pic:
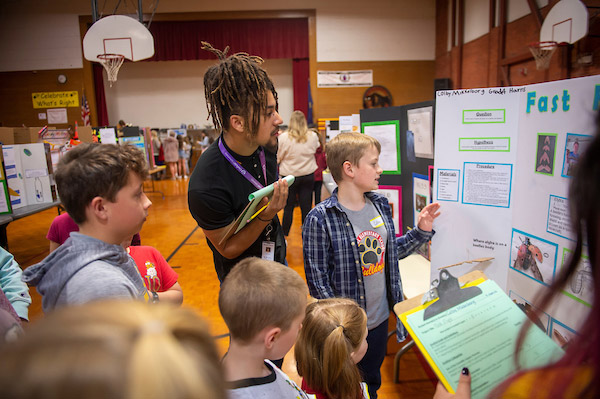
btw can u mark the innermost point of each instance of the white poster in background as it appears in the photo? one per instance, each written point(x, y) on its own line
point(108, 135)
point(356, 122)
point(420, 123)
point(57, 115)
point(386, 135)
point(345, 124)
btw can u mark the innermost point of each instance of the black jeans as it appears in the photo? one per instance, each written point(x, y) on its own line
point(302, 190)
point(370, 365)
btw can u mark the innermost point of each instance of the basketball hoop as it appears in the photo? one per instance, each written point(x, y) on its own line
point(542, 52)
point(112, 63)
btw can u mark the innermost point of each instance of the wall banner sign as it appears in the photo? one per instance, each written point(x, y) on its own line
point(345, 78)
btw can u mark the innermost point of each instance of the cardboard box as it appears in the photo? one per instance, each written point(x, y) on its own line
point(26, 135)
point(85, 134)
point(7, 135)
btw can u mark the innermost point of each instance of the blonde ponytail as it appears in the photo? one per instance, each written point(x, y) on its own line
point(332, 330)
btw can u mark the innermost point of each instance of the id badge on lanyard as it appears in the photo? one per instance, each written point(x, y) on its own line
point(268, 246)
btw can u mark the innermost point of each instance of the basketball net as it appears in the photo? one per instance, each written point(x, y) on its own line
point(112, 63)
point(542, 52)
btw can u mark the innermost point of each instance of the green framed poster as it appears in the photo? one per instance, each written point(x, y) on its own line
point(388, 135)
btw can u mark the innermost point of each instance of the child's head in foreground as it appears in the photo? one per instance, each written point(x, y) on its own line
point(260, 295)
point(331, 342)
point(98, 170)
point(350, 147)
point(113, 350)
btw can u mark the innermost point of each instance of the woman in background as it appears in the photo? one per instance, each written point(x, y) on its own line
point(296, 156)
point(171, 151)
point(321, 160)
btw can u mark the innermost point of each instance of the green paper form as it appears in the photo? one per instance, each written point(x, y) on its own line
point(480, 334)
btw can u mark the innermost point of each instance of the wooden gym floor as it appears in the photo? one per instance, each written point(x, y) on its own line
point(171, 229)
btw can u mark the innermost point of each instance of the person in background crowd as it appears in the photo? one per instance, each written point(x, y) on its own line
point(171, 151)
point(296, 156)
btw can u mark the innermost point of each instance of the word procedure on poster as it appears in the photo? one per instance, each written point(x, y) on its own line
point(479, 330)
point(487, 184)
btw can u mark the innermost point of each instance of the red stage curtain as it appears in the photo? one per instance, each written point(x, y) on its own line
point(301, 75)
point(100, 97)
point(267, 38)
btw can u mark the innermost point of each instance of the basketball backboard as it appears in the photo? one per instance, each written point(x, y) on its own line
point(118, 34)
point(566, 22)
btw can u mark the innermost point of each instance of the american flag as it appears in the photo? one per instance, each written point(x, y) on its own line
point(85, 111)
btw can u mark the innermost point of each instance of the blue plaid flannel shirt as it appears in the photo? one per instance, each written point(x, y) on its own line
point(331, 258)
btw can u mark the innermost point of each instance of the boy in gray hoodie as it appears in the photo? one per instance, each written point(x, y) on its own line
point(101, 187)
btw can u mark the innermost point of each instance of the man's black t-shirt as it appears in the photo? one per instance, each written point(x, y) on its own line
point(218, 193)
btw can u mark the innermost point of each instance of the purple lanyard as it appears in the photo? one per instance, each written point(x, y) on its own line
point(241, 169)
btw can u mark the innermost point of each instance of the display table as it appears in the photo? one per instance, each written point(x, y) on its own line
point(21, 213)
point(152, 172)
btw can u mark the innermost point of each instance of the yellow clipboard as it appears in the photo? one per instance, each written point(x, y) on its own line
point(476, 325)
point(412, 305)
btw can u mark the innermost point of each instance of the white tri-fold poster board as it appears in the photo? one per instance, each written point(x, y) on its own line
point(27, 174)
point(503, 162)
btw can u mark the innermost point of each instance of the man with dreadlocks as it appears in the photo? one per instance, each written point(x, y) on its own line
point(242, 102)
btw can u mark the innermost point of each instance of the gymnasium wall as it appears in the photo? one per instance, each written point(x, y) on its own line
point(395, 39)
point(408, 82)
point(169, 93)
point(16, 88)
point(484, 61)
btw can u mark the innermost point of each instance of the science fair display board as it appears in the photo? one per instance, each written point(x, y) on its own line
point(504, 158)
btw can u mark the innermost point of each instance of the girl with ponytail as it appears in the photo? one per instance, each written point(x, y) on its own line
point(332, 340)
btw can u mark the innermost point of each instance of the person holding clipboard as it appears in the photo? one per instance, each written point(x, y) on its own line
point(242, 102)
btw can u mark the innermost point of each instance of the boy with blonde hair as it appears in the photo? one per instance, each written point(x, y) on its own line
point(114, 350)
point(350, 244)
point(101, 187)
point(263, 304)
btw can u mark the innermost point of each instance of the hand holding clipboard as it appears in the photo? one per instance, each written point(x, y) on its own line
point(253, 209)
